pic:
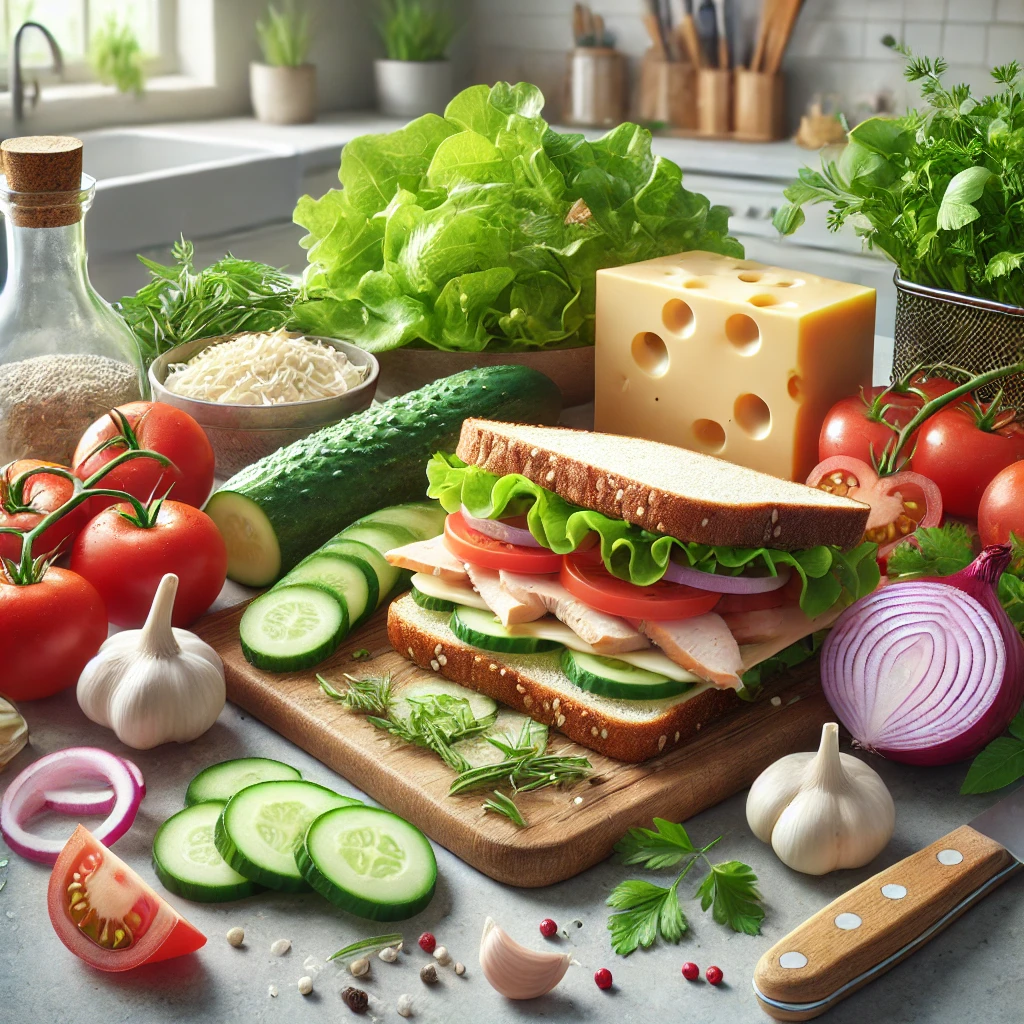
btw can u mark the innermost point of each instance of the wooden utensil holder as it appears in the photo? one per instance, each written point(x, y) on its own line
point(759, 106)
point(668, 92)
point(595, 87)
point(714, 101)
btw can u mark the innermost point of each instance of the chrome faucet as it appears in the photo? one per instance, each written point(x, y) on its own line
point(17, 83)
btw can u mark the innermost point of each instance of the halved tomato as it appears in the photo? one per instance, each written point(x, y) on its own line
point(107, 916)
point(583, 574)
point(474, 547)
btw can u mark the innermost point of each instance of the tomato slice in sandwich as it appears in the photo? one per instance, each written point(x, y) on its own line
point(471, 546)
point(106, 915)
point(583, 574)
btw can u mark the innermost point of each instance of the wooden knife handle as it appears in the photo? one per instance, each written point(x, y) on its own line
point(870, 929)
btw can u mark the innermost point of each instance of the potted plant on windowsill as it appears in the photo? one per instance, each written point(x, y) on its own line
point(939, 192)
point(283, 87)
point(116, 56)
point(416, 76)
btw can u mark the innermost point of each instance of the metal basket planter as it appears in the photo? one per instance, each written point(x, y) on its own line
point(934, 325)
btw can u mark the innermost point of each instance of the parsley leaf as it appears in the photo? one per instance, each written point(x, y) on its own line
point(645, 910)
point(730, 889)
point(937, 551)
point(663, 848)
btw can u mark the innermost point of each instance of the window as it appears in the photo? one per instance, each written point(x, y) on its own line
point(73, 22)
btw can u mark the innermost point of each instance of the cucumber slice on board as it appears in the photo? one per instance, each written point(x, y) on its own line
point(447, 592)
point(423, 519)
point(482, 629)
point(609, 677)
point(291, 628)
point(343, 577)
point(387, 574)
point(261, 827)
point(508, 726)
point(369, 862)
point(186, 860)
point(220, 782)
point(482, 706)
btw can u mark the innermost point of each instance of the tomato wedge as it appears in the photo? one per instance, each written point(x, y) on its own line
point(474, 547)
point(107, 916)
point(585, 577)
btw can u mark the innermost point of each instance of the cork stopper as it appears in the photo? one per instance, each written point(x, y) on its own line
point(40, 164)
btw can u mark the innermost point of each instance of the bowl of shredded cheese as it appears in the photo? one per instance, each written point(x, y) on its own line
point(255, 392)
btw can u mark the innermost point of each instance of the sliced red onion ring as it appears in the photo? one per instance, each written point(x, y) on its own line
point(497, 530)
point(27, 795)
point(90, 801)
point(717, 584)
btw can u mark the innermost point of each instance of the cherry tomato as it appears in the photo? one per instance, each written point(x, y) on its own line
point(160, 428)
point(899, 503)
point(474, 547)
point(125, 562)
point(106, 915)
point(585, 577)
point(1001, 511)
point(48, 631)
point(849, 428)
point(42, 493)
point(963, 459)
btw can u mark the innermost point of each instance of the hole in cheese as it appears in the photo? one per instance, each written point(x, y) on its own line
point(750, 276)
point(753, 416)
point(794, 385)
point(789, 284)
point(650, 354)
point(694, 283)
point(764, 300)
point(709, 435)
point(743, 333)
point(677, 316)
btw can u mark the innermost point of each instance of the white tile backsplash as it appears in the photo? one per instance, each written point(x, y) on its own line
point(1010, 10)
point(963, 43)
point(976, 11)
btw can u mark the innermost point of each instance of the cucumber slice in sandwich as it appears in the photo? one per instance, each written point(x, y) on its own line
point(349, 580)
point(220, 782)
point(186, 860)
point(481, 629)
point(609, 677)
point(261, 827)
point(369, 862)
point(432, 604)
point(291, 628)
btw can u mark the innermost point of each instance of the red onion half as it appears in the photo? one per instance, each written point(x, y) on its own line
point(927, 671)
point(717, 584)
point(496, 529)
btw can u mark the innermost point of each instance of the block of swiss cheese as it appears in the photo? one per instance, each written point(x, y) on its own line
point(729, 357)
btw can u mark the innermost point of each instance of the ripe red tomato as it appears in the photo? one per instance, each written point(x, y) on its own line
point(474, 547)
point(125, 561)
point(106, 915)
point(160, 428)
point(585, 577)
point(851, 429)
point(962, 459)
point(48, 631)
point(1001, 511)
point(41, 494)
point(900, 503)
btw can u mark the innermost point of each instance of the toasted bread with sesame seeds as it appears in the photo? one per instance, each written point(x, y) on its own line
point(694, 497)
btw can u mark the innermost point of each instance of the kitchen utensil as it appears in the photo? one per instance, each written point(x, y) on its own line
point(656, 31)
point(686, 31)
point(870, 929)
point(768, 14)
point(707, 31)
point(778, 38)
point(588, 26)
point(578, 24)
point(564, 837)
point(723, 39)
point(241, 434)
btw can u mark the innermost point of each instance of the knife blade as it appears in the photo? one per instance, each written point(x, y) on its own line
point(871, 928)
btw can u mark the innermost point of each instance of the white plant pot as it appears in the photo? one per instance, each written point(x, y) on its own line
point(283, 95)
point(409, 88)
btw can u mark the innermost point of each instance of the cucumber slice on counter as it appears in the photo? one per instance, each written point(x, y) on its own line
point(480, 704)
point(609, 677)
point(220, 782)
point(369, 862)
point(423, 519)
point(186, 860)
point(432, 604)
point(261, 827)
point(445, 591)
point(343, 577)
point(481, 629)
point(291, 628)
point(387, 574)
point(508, 726)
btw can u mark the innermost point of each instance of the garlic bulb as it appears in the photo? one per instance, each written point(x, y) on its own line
point(155, 684)
point(515, 971)
point(13, 732)
point(821, 811)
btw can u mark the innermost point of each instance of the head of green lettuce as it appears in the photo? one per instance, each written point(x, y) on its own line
point(485, 228)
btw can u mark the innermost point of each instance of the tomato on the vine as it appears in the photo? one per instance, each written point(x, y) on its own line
point(157, 427)
point(126, 559)
point(1001, 511)
point(41, 494)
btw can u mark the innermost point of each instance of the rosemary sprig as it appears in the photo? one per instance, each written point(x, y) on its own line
point(524, 774)
point(371, 945)
point(367, 695)
point(499, 803)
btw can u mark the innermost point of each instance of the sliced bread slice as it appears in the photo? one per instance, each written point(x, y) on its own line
point(627, 730)
point(665, 489)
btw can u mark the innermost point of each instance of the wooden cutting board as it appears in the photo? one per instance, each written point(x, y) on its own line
point(570, 828)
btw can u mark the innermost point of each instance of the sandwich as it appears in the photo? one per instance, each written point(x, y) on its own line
point(623, 591)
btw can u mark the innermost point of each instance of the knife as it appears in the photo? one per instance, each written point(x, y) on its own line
point(870, 929)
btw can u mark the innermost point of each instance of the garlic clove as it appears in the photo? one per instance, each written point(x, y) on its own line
point(13, 732)
point(516, 971)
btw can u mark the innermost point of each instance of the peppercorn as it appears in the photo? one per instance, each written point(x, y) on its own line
point(548, 927)
point(603, 978)
point(714, 975)
point(691, 972)
point(428, 974)
point(355, 999)
point(427, 942)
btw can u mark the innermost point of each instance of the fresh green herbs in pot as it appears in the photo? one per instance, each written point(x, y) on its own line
point(485, 228)
point(182, 304)
point(116, 56)
point(938, 190)
point(284, 36)
point(417, 30)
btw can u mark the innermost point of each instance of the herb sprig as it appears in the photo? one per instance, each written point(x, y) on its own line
point(643, 910)
point(364, 946)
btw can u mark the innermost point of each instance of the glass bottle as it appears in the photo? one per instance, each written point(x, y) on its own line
point(66, 357)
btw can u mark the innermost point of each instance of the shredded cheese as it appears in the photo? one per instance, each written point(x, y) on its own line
point(265, 369)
